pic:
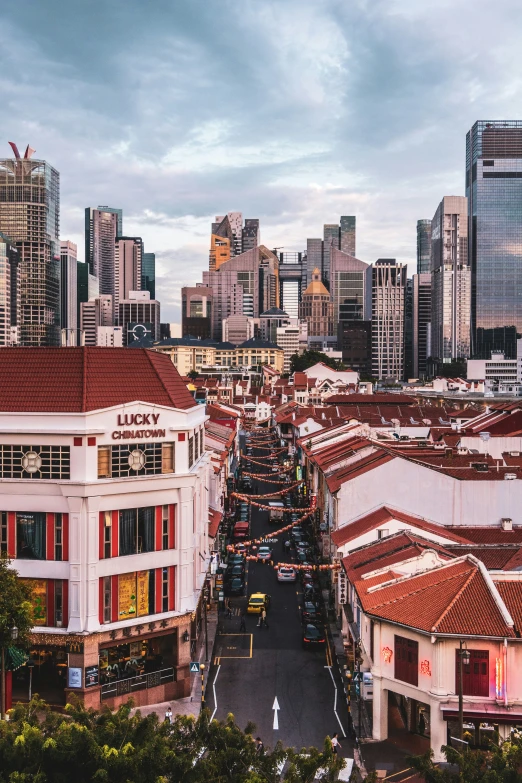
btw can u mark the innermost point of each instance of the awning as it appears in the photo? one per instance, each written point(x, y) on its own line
point(15, 658)
point(484, 712)
point(214, 520)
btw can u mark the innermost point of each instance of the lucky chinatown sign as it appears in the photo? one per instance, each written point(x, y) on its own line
point(137, 420)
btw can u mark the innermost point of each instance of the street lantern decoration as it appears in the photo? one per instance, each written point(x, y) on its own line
point(425, 668)
point(342, 586)
point(387, 654)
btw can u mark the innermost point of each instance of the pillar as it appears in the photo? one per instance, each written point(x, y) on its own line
point(438, 728)
point(380, 709)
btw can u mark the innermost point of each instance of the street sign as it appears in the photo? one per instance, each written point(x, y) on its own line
point(357, 677)
point(194, 667)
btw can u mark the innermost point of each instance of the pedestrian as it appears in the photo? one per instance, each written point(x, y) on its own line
point(229, 608)
point(263, 618)
point(242, 625)
point(422, 724)
point(336, 745)
point(287, 545)
point(260, 748)
point(168, 715)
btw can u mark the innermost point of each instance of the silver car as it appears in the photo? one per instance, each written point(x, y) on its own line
point(285, 574)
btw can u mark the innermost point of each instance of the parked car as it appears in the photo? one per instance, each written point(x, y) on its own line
point(256, 603)
point(285, 574)
point(310, 612)
point(264, 553)
point(240, 548)
point(235, 559)
point(241, 531)
point(235, 586)
point(313, 635)
point(237, 570)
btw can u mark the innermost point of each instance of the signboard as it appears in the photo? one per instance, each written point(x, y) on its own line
point(91, 676)
point(194, 667)
point(73, 646)
point(126, 596)
point(39, 600)
point(143, 593)
point(137, 331)
point(342, 587)
point(74, 677)
point(313, 500)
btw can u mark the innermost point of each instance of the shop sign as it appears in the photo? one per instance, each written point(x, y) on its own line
point(127, 596)
point(74, 646)
point(143, 593)
point(313, 500)
point(91, 676)
point(74, 677)
point(135, 649)
point(341, 583)
point(38, 588)
point(298, 472)
point(137, 420)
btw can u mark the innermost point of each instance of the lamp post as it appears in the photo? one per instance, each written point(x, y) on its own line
point(14, 637)
point(464, 659)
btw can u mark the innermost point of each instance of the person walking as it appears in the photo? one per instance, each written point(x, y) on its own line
point(229, 608)
point(242, 625)
point(168, 715)
point(336, 745)
point(263, 618)
point(260, 748)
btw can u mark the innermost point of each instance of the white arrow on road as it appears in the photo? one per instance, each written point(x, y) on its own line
point(276, 707)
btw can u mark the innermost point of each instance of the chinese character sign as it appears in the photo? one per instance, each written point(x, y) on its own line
point(342, 587)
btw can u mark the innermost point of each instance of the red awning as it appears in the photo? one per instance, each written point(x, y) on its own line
point(214, 520)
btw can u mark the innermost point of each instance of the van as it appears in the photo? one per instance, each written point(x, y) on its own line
point(276, 511)
point(241, 531)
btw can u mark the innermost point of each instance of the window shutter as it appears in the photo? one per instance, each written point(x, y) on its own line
point(104, 461)
point(167, 458)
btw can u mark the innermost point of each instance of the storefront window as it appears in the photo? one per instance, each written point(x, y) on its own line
point(30, 536)
point(136, 530)
point(136, 658)
point(58, 537)
point(3, 531)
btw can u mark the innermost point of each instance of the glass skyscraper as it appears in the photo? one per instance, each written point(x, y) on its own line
point(30, 217)
point(148, 274)
point(494, 191)
point(423, 246)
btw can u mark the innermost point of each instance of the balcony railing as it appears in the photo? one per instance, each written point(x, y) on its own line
point(139, 683)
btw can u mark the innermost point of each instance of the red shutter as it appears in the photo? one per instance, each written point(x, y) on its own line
point(11, 534)
point(50, 602)
point(115, 534)
point(158, 543)
point(114, 598)
point(101, 528)
point(158, 590)
point(100, 600)
point(65, 599)
point(65, 537)
point(172, 526)
point(172, 588)
point(49, 536)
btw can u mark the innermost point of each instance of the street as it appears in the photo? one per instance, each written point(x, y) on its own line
point(250, 671)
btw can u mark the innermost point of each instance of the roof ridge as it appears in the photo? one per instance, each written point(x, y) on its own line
point(419, 590)
point(84, 379)
point(454, 599)
point(148, 354)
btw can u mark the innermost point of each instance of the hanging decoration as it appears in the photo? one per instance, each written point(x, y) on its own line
point(250, 498)
point(425, 668)
point(273, 534)
point(387, 654)
point(265, 477)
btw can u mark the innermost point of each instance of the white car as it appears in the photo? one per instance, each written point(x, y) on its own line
point(285, 574)
point(264, 553)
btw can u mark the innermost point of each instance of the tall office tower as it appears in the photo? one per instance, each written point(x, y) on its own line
point(270, 321)
point(421, 323)
point(314, 259)
point(238, 328)
point(408, 329)
point(347, 237)
point(94, 313)
point(331, 239)
point(219, 252)
point(494, 191)
point(292, 338)
point(227, 298)
point(9, 292)
point(148, 274)
point(88, 286)
point(423, 246)
point(350, 287)
point(127, 268)
point(354, 340)
point(230, 226)
point(30, 217)
point(290, 281)
point(450, 280)
point(388, 294)
point(196, 311)
point(317, 308)
point(101, 231)
point(139, 316)
point(250, 234)
point(68, 285)
point(119, 217)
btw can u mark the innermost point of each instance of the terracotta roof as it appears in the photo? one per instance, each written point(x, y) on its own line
point(67, 380)
point(214, 519)
point(339, 477)
point(503, 557)
point(511, 594)
point(385, 514)
point(389, 551)
point(489, 535)
point(450, 599)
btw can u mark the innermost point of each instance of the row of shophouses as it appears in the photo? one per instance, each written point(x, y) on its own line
point(422, 509)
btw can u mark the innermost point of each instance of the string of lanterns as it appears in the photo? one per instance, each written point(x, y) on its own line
point(249, 498)
point(273, 534)
point(263, 465)
point(289, 509)
point(265, 477)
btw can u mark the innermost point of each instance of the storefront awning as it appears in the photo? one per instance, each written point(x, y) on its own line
point(484, 712)
point(214, 520)
point(15, 658)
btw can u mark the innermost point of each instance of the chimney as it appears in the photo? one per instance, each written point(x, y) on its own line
point(507, 523)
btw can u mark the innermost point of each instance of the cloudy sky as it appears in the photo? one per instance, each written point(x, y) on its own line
point(293, 111)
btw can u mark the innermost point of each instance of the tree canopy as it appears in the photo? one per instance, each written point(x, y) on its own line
point(302, 361)
point(89, 746)
point(15, 606)
point(499, 763)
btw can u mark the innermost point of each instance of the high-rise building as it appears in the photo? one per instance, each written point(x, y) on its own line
point(354, 340)
point(423, 246)
point(238, 328)
point(388, 295)
point(347, 239)
point(338, 235)
point(127, 268)
point(196, 311)
point(230, 238)
point(9, 292)
point(219, 252)
point(30, 217)
point(421, 323)
point(292, 271)
point(494, 191)
point(94, 313)
point(250, 234)
point(408, 329)
point(317, 308)
point(314, 259)
point(88, 286)
point(270, 321)
point(119, 217)
point(101, 231)
point(148, 274)
point(292, 338)
point(450, 281)
point(350, 287)
point(68, 285)
point(139, 316)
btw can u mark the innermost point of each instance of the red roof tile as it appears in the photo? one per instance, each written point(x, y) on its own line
point(489, 534)
point(511, 594)
point(339, 477)
point(67, 380)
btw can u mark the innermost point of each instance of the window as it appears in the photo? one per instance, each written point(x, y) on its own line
point(165, 527)
point(164, 589)
point(135, 459)
point(30, 536)
point(201, 441)
point(3, 532)
point(58, 603)
point(107, 609)
point(191, 451)
point(196, 444)
point(406, 660)
point(58, 537)
point(107, 534)
point(382, 533)
point(136, 530)
point(104, 461)
point(35, 462)
point(167, 458)
point(475, 680)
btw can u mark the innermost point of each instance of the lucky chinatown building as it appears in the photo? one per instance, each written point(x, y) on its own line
point(104, 507)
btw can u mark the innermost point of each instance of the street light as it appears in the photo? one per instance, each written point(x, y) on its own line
point(14, 637)
point(464, 659)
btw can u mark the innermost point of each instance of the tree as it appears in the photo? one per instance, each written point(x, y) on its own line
point(15, 612)
point(301, 362)
point(89, 746)
point(497, 764)
point(193, 374)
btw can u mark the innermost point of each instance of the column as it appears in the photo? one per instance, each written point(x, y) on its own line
point(438, 728)
point(380, 709)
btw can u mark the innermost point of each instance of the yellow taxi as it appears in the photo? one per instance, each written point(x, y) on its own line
point(256, 603)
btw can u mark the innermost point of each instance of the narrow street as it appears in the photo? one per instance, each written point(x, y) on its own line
point(251, 670)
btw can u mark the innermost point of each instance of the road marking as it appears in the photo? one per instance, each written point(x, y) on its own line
point(335, 701)
point(276, 707)
point(214, 689)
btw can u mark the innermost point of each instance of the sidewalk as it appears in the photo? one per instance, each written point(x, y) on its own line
point(190, 705)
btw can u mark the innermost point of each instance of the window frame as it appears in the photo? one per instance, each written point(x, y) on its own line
point(164, 589)
point(138, 512)
point(58, 537)
point(58, 603)
point(473, 683)
point(4, 533)
point(406, 670)
point(107, 535)
point(165, 520)
point(107, 599)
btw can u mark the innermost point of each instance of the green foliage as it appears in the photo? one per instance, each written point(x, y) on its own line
point(89, 746)
point(193, 374)
point(301, 362)
point(15, 606)
point(497, 764)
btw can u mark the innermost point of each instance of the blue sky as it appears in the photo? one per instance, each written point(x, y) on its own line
point(293, 111)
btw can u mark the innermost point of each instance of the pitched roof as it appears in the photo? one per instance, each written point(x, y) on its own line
point(511, 594)
point(75, 380)
point(388, 551)
point(375, 460)
point(490, 534)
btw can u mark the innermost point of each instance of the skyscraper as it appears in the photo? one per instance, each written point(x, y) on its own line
point(230, 238)
point(350, 287)
point(347, 240)
point(148, 274)
point(101, 230)
point(450, 280)
point(423, 245)
point(388, 294)
point(127, 268)
point(68, 285)
point(408, 329)
point(494, 191)
point(30, 217)
point(9, 292)
point(88, 286)
point(119, 217)
point(338, 235)
point(317, 309)
point(421, 323)
point(196, 311)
